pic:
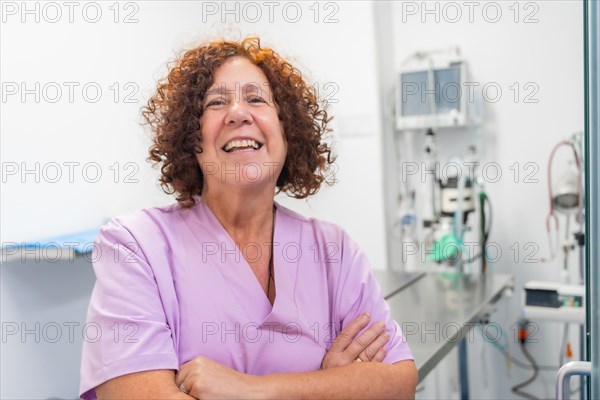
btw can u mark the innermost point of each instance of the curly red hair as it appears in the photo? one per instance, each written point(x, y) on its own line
point(174, 114)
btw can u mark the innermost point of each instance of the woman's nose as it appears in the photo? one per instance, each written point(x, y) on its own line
point(238, 114)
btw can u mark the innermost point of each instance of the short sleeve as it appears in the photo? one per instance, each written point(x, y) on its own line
point(360, 292)
point(126, 329)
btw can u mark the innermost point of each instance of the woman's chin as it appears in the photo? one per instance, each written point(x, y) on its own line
point(249, 184)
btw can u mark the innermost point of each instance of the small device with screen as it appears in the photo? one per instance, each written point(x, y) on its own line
point(432, 91)
point(554, 301)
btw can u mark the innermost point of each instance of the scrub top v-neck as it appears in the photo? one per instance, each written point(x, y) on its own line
point(172, 285)
point(235, 274)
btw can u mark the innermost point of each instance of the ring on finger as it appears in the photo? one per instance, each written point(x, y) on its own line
point(183, 389)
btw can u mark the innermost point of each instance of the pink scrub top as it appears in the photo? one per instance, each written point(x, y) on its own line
point(171, 285)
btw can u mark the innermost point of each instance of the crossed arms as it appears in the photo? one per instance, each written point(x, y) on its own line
point(340, 376)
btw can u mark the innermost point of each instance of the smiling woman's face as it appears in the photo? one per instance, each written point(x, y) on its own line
point(242, 137)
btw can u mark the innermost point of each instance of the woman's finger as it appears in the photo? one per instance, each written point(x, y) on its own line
point(359, 344)
point(370, 353)
point(182, 374)
point(345, 337)
point(379, 357)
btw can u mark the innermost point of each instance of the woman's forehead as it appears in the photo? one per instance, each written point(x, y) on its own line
point(239, 75)
point(239, 68)
point(238, 86)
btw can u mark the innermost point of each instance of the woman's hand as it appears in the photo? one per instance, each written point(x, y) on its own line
point(368, 346)
point(204, 378)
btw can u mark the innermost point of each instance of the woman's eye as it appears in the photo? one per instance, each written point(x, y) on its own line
point(215, 102)
point(256, 100)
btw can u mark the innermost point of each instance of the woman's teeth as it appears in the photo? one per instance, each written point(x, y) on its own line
point(237, 145)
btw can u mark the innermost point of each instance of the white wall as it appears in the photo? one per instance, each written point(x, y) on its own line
point(548, 53)
point(107, 131)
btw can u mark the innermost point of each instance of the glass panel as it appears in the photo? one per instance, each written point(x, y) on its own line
point(593, 188)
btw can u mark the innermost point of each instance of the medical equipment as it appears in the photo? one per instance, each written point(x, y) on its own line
point(455, 198)
point(566, 195)
point(566, 192)
point(562, 302)
point(554, 301)
point(447, 247)
point(432, 91)
point(429, 210)
point(446, 199)
point(455, 202)
point(408, 231)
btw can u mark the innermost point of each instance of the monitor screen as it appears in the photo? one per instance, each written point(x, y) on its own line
point(417, 95)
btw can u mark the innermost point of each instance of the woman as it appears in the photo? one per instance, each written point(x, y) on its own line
point(227, 293)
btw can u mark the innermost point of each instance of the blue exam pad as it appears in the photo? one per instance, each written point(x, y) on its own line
point(81, 242)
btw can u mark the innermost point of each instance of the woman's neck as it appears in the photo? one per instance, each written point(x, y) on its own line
point(244, 215)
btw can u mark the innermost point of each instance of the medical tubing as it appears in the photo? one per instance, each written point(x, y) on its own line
point(482, 230)
point(484, 198)
point(523, 365)
point(493, 342)
point(518, 363)
point(517, 388)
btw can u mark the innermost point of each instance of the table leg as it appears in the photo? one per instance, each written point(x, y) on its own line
point(463, 369)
